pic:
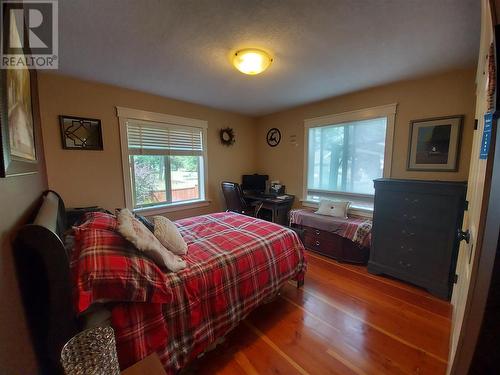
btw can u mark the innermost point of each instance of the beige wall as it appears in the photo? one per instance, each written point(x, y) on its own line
point(445, 94)
point(95, 177)
point(18, 198)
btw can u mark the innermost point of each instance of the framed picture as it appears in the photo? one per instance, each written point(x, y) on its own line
point(18, 114)
point(80, 133)
point(435, 144)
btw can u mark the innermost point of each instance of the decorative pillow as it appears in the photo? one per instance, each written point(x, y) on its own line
point(333, 208)
point(134, 231)
point(169, 236)
point(143, 219)
point(106, 267)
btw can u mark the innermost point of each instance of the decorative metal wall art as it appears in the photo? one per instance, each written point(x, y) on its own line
point(80, 133)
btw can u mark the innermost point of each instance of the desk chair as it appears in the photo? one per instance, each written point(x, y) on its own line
point(235, 202)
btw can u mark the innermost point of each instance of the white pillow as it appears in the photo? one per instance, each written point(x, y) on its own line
point(169, 236)
point(333, 208)
point(142, 238)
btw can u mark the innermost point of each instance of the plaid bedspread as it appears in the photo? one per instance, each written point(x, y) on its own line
point(356, 229)
point(234, 262)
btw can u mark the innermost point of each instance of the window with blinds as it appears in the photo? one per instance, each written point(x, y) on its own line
point(164, 139)
point(345, 152)
point(166, 163)
point(346, 157)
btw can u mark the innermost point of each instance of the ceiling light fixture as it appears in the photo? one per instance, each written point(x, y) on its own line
point(251, 61)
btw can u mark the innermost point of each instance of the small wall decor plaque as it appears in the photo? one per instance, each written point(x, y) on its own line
point(273, 137)
point(80, 133)
point(227, 136)
point(435, 144)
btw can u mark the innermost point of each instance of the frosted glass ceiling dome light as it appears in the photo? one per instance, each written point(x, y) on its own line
point(251, 61)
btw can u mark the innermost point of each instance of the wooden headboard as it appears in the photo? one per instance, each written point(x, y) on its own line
point(43, 272)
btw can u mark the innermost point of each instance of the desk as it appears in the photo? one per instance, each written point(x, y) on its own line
point(278, 208)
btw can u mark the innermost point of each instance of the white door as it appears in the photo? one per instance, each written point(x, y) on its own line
point(467, 258)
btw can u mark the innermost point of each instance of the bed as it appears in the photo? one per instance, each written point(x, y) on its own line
point(235, 263)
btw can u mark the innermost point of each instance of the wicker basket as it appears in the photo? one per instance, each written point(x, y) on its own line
point(91, 352)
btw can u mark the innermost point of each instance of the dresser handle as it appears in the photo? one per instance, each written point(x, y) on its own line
point(407, 265)
point(409, 234)
point(413, 217)
point(317, 243)
point(412, 201)
point(318, 232)
point(402, 247)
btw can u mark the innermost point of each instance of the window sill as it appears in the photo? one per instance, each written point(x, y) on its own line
point(354, 210)
point(160, 209)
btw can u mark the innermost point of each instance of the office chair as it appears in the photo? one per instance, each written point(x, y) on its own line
point(235, 202)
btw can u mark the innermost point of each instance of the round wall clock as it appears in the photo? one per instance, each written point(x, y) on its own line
point(226, 136)
point(273, 137)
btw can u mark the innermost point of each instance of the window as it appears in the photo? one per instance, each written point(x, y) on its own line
point(164, 159)
point(346, 152)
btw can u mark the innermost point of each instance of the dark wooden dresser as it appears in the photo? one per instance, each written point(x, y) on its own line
point(415, 232)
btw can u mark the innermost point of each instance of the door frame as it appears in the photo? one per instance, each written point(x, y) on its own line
point(487, 247)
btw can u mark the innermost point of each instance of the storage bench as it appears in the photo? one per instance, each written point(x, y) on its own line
point(345, 240)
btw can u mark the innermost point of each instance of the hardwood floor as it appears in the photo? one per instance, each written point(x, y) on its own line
point(343, 321)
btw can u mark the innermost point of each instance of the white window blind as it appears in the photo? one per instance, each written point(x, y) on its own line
point(345, 152)
point(346, 157)
point(164, 139)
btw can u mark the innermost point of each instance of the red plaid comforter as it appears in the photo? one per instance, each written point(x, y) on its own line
point(234, 262)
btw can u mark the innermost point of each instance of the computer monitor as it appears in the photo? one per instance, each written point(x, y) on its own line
point(254, 182)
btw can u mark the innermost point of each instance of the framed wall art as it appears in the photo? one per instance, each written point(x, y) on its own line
point(18, 114)
point(435, 144)
point(80, 133)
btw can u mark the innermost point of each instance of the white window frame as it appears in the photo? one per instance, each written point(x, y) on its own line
point(388, 111)
point(124, 115)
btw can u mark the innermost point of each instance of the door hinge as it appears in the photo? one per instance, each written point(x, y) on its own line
point(466, 205)
point(455, 279)
point(475, 124)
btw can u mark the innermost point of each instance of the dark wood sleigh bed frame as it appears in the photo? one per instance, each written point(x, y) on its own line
point(43, 270)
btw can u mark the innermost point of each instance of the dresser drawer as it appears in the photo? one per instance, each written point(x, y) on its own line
point(411, 209)
point(323, 242)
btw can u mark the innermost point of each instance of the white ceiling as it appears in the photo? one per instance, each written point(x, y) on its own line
point(181, 48)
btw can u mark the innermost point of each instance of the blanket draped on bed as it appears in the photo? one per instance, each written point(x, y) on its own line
point(235, 263)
